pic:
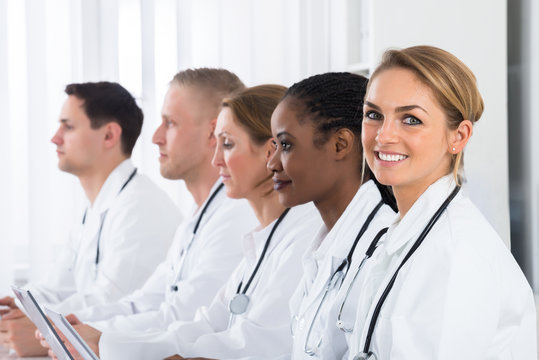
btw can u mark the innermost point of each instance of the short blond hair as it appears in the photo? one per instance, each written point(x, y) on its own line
point(451, 81)
point(214, 84)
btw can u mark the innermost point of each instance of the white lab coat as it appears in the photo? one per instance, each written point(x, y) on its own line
point(263, 332)
point(215, 252)
point(328, 251)
point(137, 232)
point(460, 296)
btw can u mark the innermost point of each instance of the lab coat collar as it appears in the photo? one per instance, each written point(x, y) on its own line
point(254, 241)
point(197, 210)
point(407, 229)
point(315, 254)
point(111, 187)
point(341, 237)
point(338, 241)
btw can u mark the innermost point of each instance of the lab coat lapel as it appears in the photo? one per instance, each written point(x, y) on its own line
point(111, 187)
point(415, 220)
point(401, 236)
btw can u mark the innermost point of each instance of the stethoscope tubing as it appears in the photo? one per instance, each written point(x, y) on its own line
point(370, 251)
point(262, 255)
point(103, 217)
point(415, 246)
point(340, 269)
point(174, 287)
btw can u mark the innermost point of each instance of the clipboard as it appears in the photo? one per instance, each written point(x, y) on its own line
point(71, 334)
point(34, 312)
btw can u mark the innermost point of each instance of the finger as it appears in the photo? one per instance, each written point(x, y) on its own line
point(7, 301)
point(73, 319)
point(13, 314)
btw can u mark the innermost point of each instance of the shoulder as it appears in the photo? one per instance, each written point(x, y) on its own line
point(303, 218)
point(143, 192)
point(470, 242)
point(468, 228)
point(299, 227)
point(232, 214)
point(146, 204)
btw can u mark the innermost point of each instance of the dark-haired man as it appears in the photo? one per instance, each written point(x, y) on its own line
point(197, 266)
point(127, 225)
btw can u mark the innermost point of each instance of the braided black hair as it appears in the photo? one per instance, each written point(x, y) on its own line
point(334, 101)
point(331, 101)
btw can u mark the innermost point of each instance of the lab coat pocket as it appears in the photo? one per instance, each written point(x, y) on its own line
point(398, 337)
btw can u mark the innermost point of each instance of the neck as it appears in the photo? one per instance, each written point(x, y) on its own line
point(332, 206)
point(200, 188)
point(407, 195)
point(93, 180)
point(266, 207)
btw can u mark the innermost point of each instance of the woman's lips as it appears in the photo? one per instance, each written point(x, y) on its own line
point(280, 184)
point(388, 158)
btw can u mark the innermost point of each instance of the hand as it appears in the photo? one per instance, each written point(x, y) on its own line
point(13, 314)
point(8, 301)
point(18, 334)
point(73, 319)
point(90, 335)
point(43, 342)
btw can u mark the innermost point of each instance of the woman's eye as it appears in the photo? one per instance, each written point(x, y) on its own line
point(412, 120)
point(285, 146)
point(373, 115)
point(228, 144)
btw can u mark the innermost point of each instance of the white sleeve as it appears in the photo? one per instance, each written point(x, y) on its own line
point(216, 252)
point(263, 332)
point(134, 241)
point(146, 299)
point(158, 343)
point(59, 283)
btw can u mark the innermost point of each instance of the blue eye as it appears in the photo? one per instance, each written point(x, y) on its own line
point(412, 120)
point(373, 115)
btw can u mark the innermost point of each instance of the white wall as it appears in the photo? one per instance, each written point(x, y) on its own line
point(474, 31)
point(54, 42)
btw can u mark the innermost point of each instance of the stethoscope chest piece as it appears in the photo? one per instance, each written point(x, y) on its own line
point(365, 356)
point(238, 304)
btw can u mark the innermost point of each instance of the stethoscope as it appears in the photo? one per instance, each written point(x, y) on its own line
point(366, 354)
point(336, 278)
point(102, 222)
point(239, 303)
point(174, 287)
point(370, 251)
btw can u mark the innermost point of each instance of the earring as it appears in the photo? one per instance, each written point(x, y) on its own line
point(454, 149)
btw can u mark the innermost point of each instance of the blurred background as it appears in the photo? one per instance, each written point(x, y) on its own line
point(46, 44)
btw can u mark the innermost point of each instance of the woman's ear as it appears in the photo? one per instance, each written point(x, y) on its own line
point(459, 137)
point(343, 142)
point(269, 148)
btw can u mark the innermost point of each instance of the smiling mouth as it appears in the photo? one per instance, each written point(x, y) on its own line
point(390, 157)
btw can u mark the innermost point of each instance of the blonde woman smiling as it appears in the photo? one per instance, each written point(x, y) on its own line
point(443, 285)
